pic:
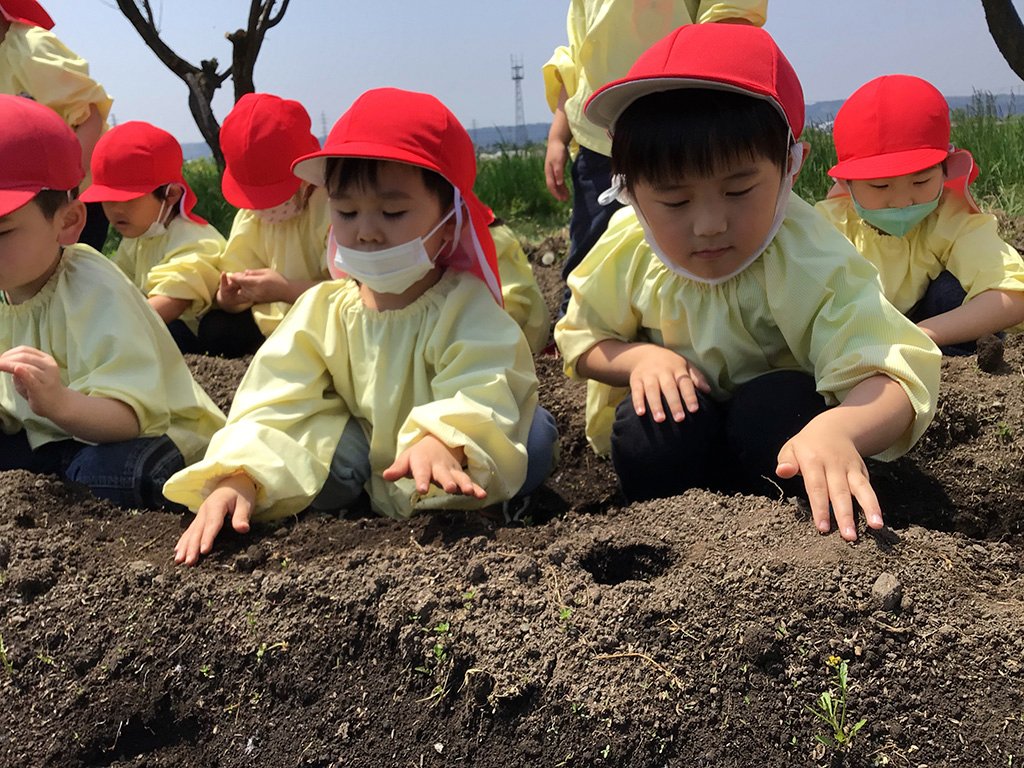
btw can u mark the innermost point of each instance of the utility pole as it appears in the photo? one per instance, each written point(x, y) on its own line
point(517, 77)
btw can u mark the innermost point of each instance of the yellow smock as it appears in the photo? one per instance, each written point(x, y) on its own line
point(519, 289)
point(452, 364)
point(952, 237)
point(605, 39)
point(35, 63)
point(109, 343)
point(808, 303)
point(182, 263)
point(295, 248)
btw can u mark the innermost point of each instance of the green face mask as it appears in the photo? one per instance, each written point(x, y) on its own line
point(896, 221)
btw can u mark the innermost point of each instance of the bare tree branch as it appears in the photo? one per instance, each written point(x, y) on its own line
point(204, 80)
point(1007, 30)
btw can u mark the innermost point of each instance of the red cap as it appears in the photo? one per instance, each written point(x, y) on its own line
point(730, 57)
point(891, 126)
point(134, 159)
point(26, 12)
point(37, 151)
point(415, 128)
point(260, 138)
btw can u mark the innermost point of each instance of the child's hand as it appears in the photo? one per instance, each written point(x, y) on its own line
point(431, 461)
point(834, 473)
point(258, 286)
point(229, 293)
point(36, 378)
point(660, 372)
point(232, 497)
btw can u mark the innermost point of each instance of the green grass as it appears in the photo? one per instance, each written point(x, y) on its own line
point(512, 183)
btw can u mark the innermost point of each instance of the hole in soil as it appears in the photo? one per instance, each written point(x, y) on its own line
point(613, 564)
point(138, 737)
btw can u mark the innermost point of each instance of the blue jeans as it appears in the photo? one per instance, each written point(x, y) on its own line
point(591, 175)
point(130, 473)
point(350, 465)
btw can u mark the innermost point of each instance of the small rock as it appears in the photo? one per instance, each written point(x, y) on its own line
point(548, 258)
point(525, 568)
point(990, 353)
point(142, 571)
point(556, 555)
point(887, 591)
point(475, 572)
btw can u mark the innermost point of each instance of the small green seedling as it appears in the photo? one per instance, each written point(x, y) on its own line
point(5, 662)
point(830, 708)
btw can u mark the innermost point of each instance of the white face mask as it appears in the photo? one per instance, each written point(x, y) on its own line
point(158, 227)
point(392, 270)
point(279, 214)
point(619, 192)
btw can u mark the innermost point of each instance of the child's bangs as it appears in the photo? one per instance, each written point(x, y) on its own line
point(665, 136)
point(342, 173)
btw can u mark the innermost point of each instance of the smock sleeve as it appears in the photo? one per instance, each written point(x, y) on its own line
point(753, 11)
point(828, 304)
point(484, 394)
point(190, 268)
point(973, 251)
point(55, 76)
point(285, 420)
point(519, 289)
point(243, 249)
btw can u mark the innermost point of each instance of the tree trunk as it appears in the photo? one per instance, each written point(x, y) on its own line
point(1005, 26)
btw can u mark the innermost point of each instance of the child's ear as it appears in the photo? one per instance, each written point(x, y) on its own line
point(174, 194)
point(71, 219)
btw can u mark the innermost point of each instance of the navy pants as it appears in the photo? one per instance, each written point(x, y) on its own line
point(229, 334)
point(130, 473)
point(943, 295)
point(591, 175)
point(730, 446)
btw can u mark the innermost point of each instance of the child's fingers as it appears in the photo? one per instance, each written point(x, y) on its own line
point(685, 387)
point(842, 502)
point(700, 381)
point(860, 485)
point(466, 485)
point(398, 469)
point(816, 485)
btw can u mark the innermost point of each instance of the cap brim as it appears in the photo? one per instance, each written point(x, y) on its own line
point(887, 165)
point(311, 167)
point(98, 193)
point(12, 199)
point(605, 106)
point(257, 197)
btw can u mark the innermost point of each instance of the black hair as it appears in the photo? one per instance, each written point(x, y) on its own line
point(50, 201)
point(342, 172)
point(695, 131)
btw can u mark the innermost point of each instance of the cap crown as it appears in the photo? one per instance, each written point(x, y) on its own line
point(37, 151)
point(732, 57)
point(891, 126)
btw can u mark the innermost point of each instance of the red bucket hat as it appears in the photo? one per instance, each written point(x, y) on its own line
point(730, 57)
point(133, 159)
point(890, 126)
point(37, 151)
point(26, 12)
point(417, 129)
point(260, 138)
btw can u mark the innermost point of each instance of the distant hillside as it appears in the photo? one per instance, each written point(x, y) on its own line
point(819, 113)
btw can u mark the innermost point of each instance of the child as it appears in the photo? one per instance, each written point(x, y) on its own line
point(901, 196)
point(168, 251)
point(412, 363)
point(605, 38)
point(91, 385)
point(519, 290)
point(720, 318)
point(35, 63)
point(276, 247)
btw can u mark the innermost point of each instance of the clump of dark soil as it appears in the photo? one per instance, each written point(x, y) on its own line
point(691, 631)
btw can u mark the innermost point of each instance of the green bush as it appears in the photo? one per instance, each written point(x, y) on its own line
point(204, 178)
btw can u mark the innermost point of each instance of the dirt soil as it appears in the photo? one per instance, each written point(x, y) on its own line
point(692, 631)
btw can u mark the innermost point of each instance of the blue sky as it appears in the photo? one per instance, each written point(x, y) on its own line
point(325, 53)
